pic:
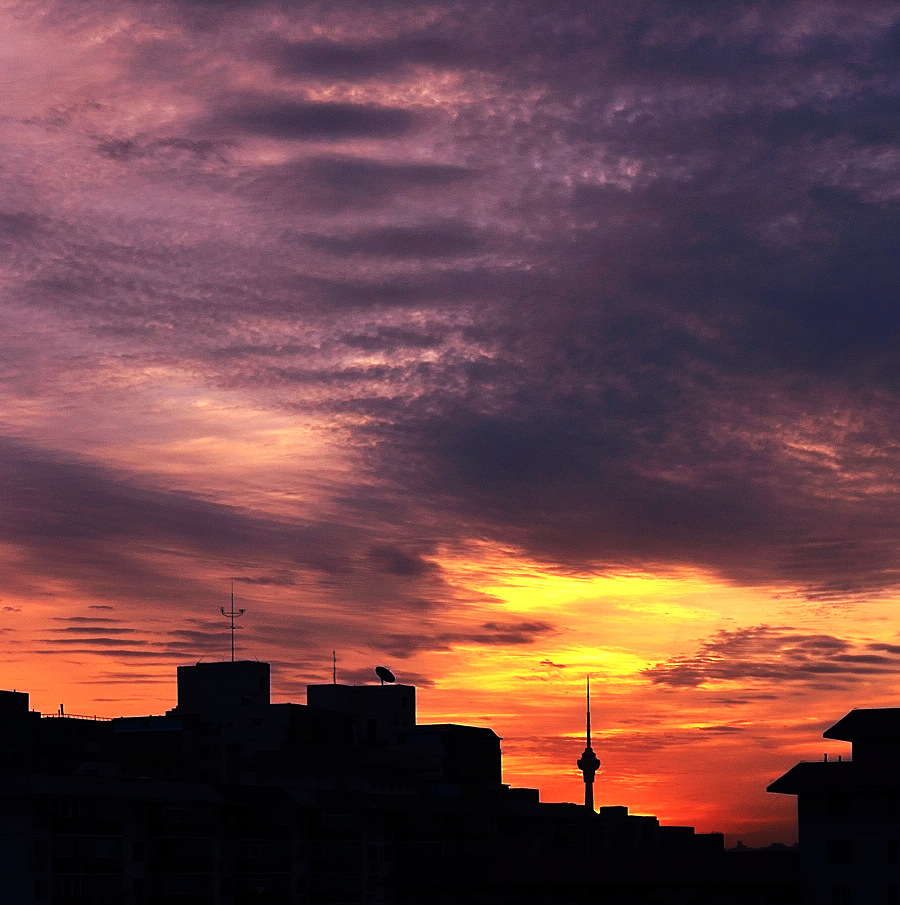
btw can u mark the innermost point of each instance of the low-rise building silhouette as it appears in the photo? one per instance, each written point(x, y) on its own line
point(229, 798)
point(848, 813)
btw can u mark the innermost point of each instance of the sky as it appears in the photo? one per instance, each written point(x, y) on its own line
point(498, 343)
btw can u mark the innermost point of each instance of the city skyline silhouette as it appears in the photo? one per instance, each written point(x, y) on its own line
point(497, 344)
point(229, 798)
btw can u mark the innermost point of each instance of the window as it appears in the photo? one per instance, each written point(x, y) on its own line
point(840, 851)
point(841, 895)
point(838, 807)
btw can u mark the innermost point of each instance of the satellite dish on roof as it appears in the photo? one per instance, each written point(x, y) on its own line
point(384, 674)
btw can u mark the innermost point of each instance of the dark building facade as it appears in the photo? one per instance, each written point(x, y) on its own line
point(228, 798)
point(848, 814)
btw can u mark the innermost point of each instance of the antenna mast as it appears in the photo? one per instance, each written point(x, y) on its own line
point(588, 727)
point(588, 763)
point(234, 614)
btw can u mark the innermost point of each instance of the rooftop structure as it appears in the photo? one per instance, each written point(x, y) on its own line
point(210, 687)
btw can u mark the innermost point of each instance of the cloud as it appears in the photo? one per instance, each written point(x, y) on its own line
point(428, 241)
point(765, 653)
point(16, 225)
point(91, 642)
point(394, 561)
point(85, 630)
point(513, 632)
point(283, 579)
point(333, 183)
point(164, 150)
point(357, 61)
point(582, 314)
point(286, 119)
point(391, 339)
point(80, 520)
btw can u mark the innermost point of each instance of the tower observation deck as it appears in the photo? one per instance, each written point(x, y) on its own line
point(588, 763)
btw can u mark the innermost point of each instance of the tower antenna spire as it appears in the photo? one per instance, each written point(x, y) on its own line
point(588, 763)
point(587, 702)
point(234, 614)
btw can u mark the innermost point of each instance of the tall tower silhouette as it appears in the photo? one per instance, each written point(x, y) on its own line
point(588, 763)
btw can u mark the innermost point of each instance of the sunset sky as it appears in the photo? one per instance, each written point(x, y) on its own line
point(499, 343)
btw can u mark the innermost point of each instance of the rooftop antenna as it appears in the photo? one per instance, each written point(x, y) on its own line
point(334, 667)
point(232, 616)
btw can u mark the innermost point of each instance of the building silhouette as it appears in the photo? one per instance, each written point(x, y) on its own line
point(228, 798)
point(848, 813)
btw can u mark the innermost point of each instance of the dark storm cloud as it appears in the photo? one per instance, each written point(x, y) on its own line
point(775, 654)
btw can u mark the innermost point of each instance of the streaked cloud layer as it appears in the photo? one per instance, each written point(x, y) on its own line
point(506, 341)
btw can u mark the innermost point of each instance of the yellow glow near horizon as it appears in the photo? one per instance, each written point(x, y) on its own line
point(669, 750)
point(521, 584)
point(613, 623)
